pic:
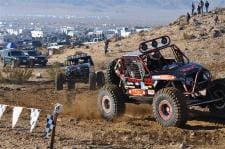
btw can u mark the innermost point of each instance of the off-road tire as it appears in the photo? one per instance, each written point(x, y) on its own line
point(111, 77)
point(217, 91)
point(100, 79)
point(110, 102)
point(169, 107)
point(43, 64)
point(92, 81)
point(59, 80)
point(31, 64)
point(71, 85)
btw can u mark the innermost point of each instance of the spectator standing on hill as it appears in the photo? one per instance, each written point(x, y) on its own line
point(199, 9)
point(202, 6)
point(106, 46)
point(216, 20)
point(188, 17)
point(193, 8)
point(207, 6)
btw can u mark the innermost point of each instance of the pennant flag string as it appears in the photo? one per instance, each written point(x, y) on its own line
point(16, 114)
point(2, 110)
point(34, 118)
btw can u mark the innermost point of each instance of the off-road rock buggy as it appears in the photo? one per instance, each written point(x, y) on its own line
point(159, 73)
point(79, 68)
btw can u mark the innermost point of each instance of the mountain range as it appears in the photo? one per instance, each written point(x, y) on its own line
point(128, 10)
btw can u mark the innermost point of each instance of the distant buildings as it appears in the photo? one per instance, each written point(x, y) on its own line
point(37, 34)
point(26, 32)
point(14, 31)
point(125, 32)
point(68, 31)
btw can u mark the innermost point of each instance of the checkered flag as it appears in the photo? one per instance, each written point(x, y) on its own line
point(51, 121)
point(49, 126)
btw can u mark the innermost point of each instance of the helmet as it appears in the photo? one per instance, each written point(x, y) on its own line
point(155, 55)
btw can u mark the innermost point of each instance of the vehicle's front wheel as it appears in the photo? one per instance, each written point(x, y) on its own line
point(111, 77)
point(71, 85)
point(110, 102)
point(14, 64)
point(216, 92)
point(43, 64)
point(92, 81)
point(100, 79)
point(31, 64)
point(169, 107)
point(59, 80)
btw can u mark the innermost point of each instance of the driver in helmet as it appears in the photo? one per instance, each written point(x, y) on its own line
point(154, 60)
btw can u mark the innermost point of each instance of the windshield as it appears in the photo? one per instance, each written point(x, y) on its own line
point(81, 60)
point(173, 53)
point(17, 53)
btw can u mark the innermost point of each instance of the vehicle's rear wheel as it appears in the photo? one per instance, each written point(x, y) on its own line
point(111, 77)
point(92, 81)
point(59, 80)
point(31, 64)
point(43, 64)
point(217, 91)
point(71, 85)
point(110, 102)
point(14, 64)
point(100, 79)
point(169, 107)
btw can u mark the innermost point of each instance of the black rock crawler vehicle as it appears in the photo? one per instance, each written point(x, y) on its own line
point(159, 73)
point(79, 68)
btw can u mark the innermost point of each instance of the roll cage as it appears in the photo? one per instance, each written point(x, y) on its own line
point(79, 59)
point(145, 49)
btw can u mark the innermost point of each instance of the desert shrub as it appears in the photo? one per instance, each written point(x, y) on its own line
point(141, 34)
point(87, 47)
point(181, 27)
point(216, 53)
point(117, 45)
point(79, 52)
point(16, 75)
point(221, 43)
point(58, 51)
point(1, 77)
point(54, 69)
point(187, 36)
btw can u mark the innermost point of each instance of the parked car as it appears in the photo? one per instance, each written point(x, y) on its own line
point(15, 58)
point(36, 58)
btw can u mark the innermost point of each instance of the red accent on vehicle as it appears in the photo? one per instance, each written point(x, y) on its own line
point(148, 81)
point(133, 80)
point(188, 68)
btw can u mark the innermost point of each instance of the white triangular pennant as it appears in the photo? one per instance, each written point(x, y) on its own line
point(2, 110)
point(16, 114)
point(34, 118)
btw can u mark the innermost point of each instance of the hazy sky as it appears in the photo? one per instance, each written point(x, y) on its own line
point(148, 11)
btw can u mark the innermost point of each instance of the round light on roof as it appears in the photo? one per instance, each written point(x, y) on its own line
point(154, 44)
point(164, 40)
